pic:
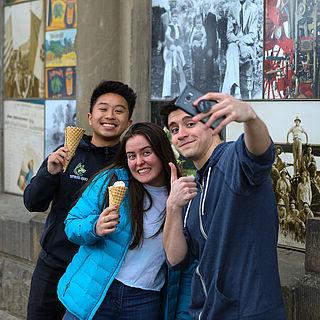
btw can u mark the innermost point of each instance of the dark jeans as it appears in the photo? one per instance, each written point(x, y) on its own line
point(43, 300)
point(126, 303)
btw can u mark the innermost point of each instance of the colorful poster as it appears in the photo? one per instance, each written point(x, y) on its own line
point(294, 128)
point(61, 82)
point(291, 50)
point(61, 14)
point(23, 143)
point(24, 50)
point(59, 114)
point(216, 45)
point(60, 48)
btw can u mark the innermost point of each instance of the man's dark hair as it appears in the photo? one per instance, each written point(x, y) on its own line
point(106, 86)
point(166, 109)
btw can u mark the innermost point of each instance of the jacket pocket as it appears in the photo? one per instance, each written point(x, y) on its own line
point(223, 306)
point(45, 235)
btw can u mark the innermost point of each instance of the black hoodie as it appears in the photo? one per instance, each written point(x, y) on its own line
point(61, 191)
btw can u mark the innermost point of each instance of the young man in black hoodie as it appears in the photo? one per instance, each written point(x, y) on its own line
point(226, 218)
point(111, 107)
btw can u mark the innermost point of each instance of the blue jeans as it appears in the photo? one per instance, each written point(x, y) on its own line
point(126, 303)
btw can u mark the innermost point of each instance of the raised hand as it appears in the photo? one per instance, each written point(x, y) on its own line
point(56, 160)
point(182, 190)
point(107, 222)
point(228, 106)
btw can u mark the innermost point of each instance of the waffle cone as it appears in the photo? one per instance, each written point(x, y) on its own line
point(72, 138)
point(116, 195)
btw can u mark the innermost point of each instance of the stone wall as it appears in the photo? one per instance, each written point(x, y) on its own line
point(19, 246)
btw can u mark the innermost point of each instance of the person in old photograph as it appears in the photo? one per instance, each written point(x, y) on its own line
point(282, 214)
point(304, 192)
point(111, 107)
point(295, 225)
point(305, 213)
point(198, 42)
point(212, 46)
point(242, 32)
point(310, 163)
point(297, 131)
point(277, 166)
point(283, 188)
point(173, 34)
point(226, 218)
point(167, 37)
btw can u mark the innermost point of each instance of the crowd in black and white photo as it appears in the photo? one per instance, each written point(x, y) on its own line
point(214, 45)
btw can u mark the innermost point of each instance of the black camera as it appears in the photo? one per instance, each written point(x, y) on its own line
point(186, 99)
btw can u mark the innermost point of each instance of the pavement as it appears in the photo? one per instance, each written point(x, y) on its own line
point(6, 316)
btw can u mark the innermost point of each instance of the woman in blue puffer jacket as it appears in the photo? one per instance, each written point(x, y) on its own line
point(120, 271)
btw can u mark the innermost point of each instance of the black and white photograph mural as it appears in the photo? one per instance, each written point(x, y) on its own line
point(213, 45)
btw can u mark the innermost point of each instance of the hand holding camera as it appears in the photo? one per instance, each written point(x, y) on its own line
point(186, 99)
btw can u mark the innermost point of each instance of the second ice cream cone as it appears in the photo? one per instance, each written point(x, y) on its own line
point(72, 139)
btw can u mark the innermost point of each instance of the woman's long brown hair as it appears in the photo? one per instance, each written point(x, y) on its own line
point(161, 146)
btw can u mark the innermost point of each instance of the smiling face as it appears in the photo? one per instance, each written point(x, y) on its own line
point(109, 119)
point(192, 139)
point(144, 165)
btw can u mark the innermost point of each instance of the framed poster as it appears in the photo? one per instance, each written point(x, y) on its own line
point(58, 115)
point(23, 62)
point(214, 45)
point(291, 49)
point(295, 130)
point(60, 48)
point(23, 143)
point(60, 82)
point(61, 14)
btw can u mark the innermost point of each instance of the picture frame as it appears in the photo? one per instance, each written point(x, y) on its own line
point(23, 59)
point(23, 142)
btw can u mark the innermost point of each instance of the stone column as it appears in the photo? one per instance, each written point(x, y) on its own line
point(113, 39)
point(1, 96)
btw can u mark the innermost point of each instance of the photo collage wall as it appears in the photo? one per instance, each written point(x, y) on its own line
point(39, 84)
point(266, 52)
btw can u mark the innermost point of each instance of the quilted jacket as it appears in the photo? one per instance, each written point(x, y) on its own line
point(84, 285)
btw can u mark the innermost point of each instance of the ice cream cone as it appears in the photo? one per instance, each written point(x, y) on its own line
point(72, 138)
point(116, 195)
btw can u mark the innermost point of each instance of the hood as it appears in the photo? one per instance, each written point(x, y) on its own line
point(215, 156)
point(86, 144)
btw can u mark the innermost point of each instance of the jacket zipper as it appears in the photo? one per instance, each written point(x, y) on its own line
point(187, 213)
point(203, 287)
point(202, 282)
point(68, 284)
point(200, 213)
point(202, 200)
